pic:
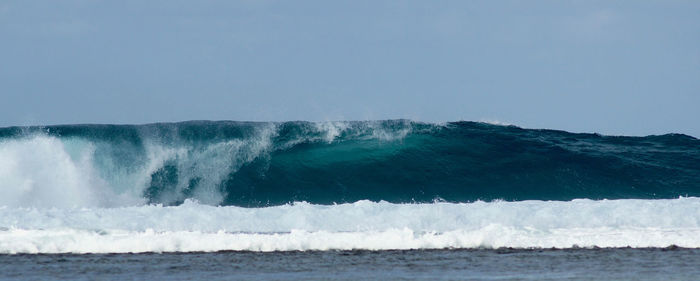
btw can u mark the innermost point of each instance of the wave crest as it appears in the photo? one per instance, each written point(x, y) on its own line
point(262, 164)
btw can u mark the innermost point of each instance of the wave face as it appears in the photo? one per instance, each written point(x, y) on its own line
point(267, 164)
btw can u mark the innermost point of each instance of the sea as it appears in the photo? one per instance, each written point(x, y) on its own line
point(346, 200)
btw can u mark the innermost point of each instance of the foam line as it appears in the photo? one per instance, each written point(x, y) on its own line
point(360, 225)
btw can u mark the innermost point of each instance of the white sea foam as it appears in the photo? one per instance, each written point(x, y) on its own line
point(360, 225)
point(209, 164)
point(331, 130)
point(495, 122)
point(45, 171)
point(48, 171)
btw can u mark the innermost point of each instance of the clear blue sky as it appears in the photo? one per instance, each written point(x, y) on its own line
point(613, 67)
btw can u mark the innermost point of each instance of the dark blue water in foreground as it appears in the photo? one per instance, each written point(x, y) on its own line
point(479, 264)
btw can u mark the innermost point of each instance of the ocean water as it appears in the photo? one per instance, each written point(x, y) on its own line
point(457, 264)
point(342, 200)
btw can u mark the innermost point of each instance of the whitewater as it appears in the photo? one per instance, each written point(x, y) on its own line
point(360, 225)
point(375, 185)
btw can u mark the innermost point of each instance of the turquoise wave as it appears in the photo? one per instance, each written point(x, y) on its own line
point(399, 161)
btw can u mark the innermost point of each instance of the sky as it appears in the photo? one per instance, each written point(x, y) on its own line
point(610, 67)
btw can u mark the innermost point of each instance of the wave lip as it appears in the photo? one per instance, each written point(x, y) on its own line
point(360, 225)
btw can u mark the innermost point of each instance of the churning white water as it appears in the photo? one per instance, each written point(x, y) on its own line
point(359, 225)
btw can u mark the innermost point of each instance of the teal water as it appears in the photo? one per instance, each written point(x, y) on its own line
point(260, 164)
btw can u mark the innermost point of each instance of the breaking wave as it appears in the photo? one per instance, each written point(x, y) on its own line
point(399, 161)
point(395, 184)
